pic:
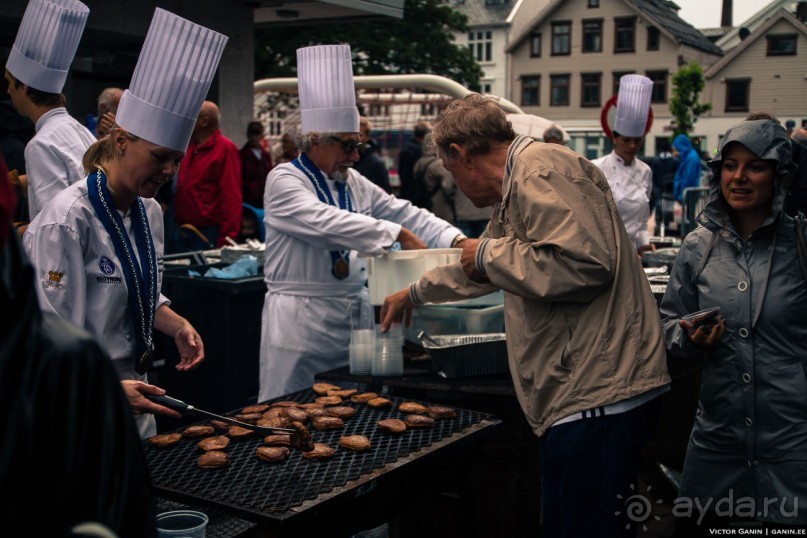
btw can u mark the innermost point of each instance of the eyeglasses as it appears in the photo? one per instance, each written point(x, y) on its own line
point(348, 146)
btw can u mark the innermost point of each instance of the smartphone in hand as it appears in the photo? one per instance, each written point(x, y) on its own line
point(707, 318)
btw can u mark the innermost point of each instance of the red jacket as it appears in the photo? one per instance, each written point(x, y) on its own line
point(209, 187)
point(253, 175)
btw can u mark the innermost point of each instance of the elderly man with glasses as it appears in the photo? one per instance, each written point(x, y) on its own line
point(320, 214)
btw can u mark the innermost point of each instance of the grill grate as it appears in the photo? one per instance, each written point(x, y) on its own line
point(267, 490)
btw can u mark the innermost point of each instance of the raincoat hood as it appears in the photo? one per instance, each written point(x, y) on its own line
point(682, 144)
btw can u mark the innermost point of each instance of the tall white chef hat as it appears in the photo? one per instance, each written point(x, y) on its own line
point(325, 87)
point(46, 43)
point(633, 105)
point(169, 84)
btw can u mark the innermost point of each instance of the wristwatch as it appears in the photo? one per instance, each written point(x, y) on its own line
point(459, 238)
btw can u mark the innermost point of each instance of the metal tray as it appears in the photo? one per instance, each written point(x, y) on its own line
point(468, 355)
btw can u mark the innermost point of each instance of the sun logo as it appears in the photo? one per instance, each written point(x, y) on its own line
point(638, 507)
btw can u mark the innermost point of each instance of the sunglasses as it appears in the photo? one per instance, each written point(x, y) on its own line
point(348, 146)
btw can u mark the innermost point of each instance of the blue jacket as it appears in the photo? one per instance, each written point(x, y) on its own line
point(689, 168)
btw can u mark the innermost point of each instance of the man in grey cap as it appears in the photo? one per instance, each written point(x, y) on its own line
point(36, 74)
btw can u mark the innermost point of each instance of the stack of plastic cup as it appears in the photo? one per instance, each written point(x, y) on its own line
point(362, 351)
point(388, 358)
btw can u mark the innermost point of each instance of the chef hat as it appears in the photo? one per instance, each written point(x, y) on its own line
point(325, 87)
point(169, 84)
point(46, 43)
point(633, 105)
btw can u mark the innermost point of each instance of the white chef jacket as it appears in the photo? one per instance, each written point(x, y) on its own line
point(71, 251)
point(53, 157)
point(631, 187)
point(305, 326)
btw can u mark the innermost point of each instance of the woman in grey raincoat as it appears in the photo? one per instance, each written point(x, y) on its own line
point(747, 454)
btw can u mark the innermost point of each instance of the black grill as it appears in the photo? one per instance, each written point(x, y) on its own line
point(267, 491)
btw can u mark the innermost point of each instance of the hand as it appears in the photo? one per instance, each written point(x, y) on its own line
point(702, 335)
point(409, 241)
point(396, 308)
point(105, 123)
point(135, 390)
point(646, 248)
point(190, 346)
point(468, 260)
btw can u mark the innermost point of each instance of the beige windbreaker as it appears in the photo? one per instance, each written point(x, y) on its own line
point(583, 328)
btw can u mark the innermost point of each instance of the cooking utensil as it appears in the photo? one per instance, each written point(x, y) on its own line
point(424, 337)
point(181, 406)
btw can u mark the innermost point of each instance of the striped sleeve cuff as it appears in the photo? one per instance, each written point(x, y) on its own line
point(414, 294)
point(480, 255)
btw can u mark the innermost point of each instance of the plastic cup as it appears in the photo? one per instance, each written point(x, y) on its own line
point(181, 523)
point(362, 351)
point(388, 359)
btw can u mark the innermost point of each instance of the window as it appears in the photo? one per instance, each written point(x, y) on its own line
point(559, 90)
point(487, 87)
point(737, 94)
point(653, 38)
point(592, 36)
point(530, 90)
point(535, 45)
point(659, 79)
point(593, 3)
point(625, 34)
point(481, 45)
point(561, 38)
point(590, 91)
point(618, 75)
point(782, 45)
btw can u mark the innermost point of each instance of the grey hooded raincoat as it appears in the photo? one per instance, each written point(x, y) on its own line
point(748, 447)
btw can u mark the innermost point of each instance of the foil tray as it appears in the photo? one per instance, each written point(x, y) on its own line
point(468, 355)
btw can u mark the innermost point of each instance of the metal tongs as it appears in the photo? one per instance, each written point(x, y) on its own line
point(423, 336)
point(181, 406)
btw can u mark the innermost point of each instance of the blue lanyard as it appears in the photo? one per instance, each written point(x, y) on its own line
point(141, 281)
point(340, 259)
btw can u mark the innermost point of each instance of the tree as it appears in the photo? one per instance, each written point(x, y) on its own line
point(687, 85)
point(421, 42)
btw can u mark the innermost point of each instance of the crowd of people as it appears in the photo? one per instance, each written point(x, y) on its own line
point(561, 236)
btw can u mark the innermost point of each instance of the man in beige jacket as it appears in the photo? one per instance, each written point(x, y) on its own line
point(583, 331)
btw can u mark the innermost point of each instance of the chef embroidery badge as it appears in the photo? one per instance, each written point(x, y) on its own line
point(107, 268)
point(54, 279)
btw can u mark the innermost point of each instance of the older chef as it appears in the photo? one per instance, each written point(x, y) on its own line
point(630, 179)
point(36, 72)
point(98, 246)
point(319, 215)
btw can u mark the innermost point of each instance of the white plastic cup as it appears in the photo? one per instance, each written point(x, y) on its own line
point(388, 359)
point(362, 351)
point(181, 523)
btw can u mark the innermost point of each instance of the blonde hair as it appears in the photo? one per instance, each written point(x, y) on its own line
point(102, 151)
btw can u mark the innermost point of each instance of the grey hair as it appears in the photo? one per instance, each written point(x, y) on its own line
point(305, 141)
point(553, 132)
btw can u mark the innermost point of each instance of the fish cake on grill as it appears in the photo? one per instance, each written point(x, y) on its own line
point(249, 418)
point(218, 442)
point(321, 451)
point(441, 412)
point(273, 422)
point(364, 397)
point(238, 433)
point(318, 412)
point(392, 425)
point(413, 408)
point(285, 403)
point(220, 425)
point(295, 413)
point(418, 421)
point(327, 423)
point(323, 388)
point(329, 400)
point(341, 411)
point(258, 408)
point(272, 454)
point(311, 405)
point(346, 393)
point(274, 412)
point(165, 440)
point(198, 431)
point(301, 439)
point(277, 440)
point(355, 442)
point(379, 403)
point(214, 459)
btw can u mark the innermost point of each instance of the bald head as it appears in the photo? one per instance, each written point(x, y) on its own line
point(207, 122)
point(108, 100)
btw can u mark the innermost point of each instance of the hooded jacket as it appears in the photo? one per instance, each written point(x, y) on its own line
point(750, 434)
point(688, 173)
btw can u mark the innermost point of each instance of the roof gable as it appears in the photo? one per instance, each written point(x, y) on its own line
point(780, 15)
point(484, 12)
